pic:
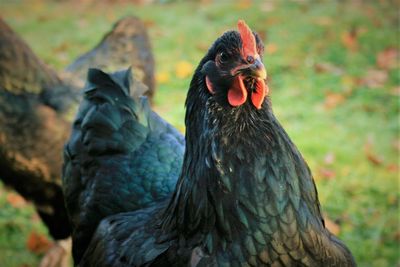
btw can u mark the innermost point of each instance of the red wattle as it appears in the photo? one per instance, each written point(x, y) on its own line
point(237, 94)
point(257, 97)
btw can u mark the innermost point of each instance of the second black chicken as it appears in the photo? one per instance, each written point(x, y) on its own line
point(121, 156)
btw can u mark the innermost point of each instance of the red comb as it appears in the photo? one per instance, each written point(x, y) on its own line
point(248, 40)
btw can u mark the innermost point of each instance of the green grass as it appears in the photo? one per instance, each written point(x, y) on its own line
point(15, 226)
point(362, 197)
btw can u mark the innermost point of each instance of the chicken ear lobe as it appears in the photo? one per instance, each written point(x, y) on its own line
point(237, 94)
point(209, 85)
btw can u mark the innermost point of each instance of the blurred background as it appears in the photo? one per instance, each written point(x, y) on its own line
point(334, 82)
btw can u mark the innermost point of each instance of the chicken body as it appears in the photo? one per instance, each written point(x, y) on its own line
point(245, 195)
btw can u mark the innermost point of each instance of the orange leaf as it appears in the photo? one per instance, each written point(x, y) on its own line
point(201, 46)
point(374, 158)
point(374, 78)
point(333, 99)
point(388, 58)
point(395, 91)
point(162, 77)
point(271, 48)
point(149, 23)
point(371, 156)
point(394, 168)
point(38, 243)
point(397, 236)
point(323, 67)
point(349, 40)
point(327, 173)
point(61, 47)
point(183, 69)
point(333, 227)
point(244, 4)
point(324, 21)
point(16, 200)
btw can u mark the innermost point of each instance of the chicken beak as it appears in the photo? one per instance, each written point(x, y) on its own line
point(257, 70)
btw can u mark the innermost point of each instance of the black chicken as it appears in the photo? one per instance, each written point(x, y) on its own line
point(121, 156)
point(245, 196)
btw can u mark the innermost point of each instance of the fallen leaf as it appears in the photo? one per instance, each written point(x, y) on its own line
point(333, 227)
point(324, 21)
point(374, 158)
point(395, 91)
point(397, 236)
point(333, 99)
point(149, 23)
point(183, 69)
point(16, 200)
point(396, 145)
point(388, 58)
point(201, 46)
point(61, 47)
point(271, 48)
point(371, 156)
point(329, 158)
point(162, 77)
point(392, 199)
point(349, 39)
point(37, 243)
point(393, 168)
point(44, 18)
point(244, 4)
point(374, 78)
point(267, 6)
point(326, 173)
point(323, 67)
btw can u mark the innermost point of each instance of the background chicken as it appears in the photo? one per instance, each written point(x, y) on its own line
point(36, 105)
point(120, 157)
point(245, 195)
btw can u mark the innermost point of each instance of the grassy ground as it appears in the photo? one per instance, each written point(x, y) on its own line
point(334, 80)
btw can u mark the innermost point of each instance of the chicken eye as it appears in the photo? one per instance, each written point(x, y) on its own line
point(222, 57)
point(250, 59)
